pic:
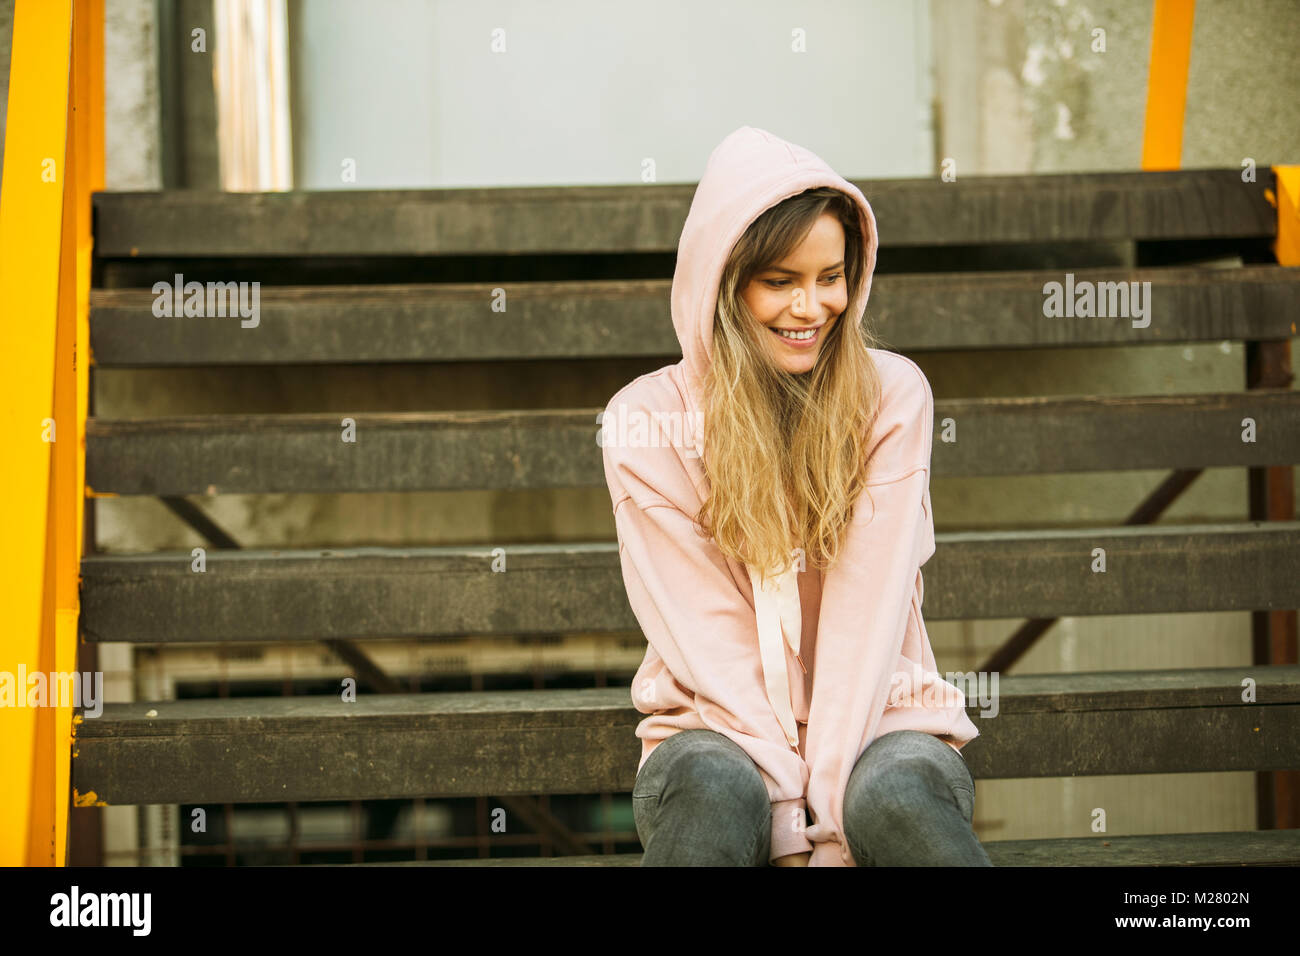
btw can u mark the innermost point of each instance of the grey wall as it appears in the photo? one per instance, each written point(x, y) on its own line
point(132, 146)
point(586, 90)
point(1020, 91)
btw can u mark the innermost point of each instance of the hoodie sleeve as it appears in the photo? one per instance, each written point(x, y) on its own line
point(868, 599)
point(697, 620)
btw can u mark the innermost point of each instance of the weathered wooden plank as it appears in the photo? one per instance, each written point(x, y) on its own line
point(419, 451)
point(596, 859)
point(1231, 848)
point(582, 741)
point(913, 313)
point(258, 595)
point(1148, 570)
point(1180, 204)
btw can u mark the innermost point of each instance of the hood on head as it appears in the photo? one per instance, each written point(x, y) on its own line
point(747, 173)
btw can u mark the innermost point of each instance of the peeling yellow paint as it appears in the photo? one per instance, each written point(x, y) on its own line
point(87, 799)
point(92, 493)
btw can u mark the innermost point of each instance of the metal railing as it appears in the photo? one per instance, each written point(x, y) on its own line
point(53, 161)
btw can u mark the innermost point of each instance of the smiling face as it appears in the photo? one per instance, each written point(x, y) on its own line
point(799, 298)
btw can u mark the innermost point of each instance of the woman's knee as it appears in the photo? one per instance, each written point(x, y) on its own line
point(910, 802)
point(898, 773)
point(711, 767)
point(703, 801)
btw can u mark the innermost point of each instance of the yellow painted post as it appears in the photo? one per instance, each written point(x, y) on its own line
point(58, 652)
point(1287, 199)
point(88, 98)
point(86, 132)
point(1171, 54)
point(32, 199)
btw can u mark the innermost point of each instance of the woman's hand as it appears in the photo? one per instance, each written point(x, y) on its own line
point(794, 859)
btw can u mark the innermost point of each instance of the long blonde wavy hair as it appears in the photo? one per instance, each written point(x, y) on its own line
point(785, 453)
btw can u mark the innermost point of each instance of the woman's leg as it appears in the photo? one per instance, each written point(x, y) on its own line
point(909, 802)
point(700, 801)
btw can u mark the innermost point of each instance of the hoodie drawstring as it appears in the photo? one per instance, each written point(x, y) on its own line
point(779, 617)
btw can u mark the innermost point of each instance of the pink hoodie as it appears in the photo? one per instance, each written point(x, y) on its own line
point(803, 675)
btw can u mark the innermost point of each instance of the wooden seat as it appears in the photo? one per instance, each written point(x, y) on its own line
point(587, 275)
point(240, 750)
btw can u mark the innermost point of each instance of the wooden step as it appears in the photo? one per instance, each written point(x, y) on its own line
point(299, 595)
point(1180, 204)
point(616, 318)
point(582, 741)
point(424, 451)
point(1232, 848)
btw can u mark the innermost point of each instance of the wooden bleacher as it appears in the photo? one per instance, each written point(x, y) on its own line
point(580, 741)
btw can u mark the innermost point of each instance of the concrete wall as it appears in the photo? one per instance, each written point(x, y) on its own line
point(132, 144)
point(1020, 90)
point(585, 91)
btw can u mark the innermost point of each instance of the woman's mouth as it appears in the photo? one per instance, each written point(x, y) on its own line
point(798, 338)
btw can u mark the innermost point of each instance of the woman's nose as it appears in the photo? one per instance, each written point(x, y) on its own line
point(803, 303)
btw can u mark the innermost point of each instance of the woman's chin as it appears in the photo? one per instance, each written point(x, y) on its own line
point(798, 366)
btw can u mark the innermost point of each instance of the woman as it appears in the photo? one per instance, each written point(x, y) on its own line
point(771, 496)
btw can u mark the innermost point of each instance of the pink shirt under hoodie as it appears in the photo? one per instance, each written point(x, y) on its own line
point(804, 674)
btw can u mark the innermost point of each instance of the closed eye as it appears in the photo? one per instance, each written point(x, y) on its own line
point(782, 283)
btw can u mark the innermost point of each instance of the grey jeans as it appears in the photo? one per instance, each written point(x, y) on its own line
point(700, 801)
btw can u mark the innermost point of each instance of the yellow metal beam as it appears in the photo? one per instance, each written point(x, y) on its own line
point(1287, 199)
point(87, 132)
point(1171, 54)
point(88, 97)
point(32, 218)
point(58, 652)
